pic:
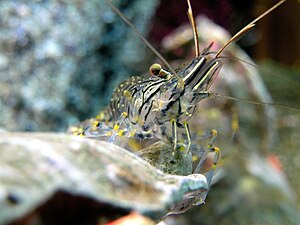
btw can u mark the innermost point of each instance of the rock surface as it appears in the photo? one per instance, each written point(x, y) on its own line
point(60, 60)
point(38, 168)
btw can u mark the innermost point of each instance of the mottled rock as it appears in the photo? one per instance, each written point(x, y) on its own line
point(60, 60)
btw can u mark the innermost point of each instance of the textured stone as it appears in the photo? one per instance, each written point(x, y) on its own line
point(60, 60)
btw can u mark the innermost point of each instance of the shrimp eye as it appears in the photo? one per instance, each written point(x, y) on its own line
point(155, 69)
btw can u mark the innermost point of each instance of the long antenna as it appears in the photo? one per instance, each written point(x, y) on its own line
point(248, 27)
point(255, 102)
point(194, 26)
point(126, 20)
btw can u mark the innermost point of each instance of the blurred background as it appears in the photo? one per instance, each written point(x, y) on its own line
point(60, 61)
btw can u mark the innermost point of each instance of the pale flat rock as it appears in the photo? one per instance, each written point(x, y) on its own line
point(36, 166)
